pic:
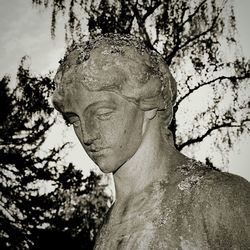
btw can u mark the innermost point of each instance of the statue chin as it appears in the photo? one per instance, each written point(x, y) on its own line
point(107, 166)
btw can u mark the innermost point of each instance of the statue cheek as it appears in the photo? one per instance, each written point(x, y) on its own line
point(79, 135)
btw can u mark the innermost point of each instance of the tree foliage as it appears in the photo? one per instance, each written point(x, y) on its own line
point(69, 212)
point(191, 36)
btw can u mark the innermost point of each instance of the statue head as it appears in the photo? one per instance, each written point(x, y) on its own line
point(104, 88)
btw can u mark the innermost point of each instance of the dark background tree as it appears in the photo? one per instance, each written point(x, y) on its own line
point(69, 213)
point(191, 36)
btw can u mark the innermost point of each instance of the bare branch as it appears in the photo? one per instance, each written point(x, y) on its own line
point(142, 27)
point(220, 78)
point(150, 11)
point(180, 46)
point(209, 131)
point(190, 17)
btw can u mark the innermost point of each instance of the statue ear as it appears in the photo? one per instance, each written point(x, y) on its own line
point(150, 114)
point(170, 81)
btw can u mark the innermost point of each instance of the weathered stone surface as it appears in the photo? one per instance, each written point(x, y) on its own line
point(195, 207)
point(118, 95)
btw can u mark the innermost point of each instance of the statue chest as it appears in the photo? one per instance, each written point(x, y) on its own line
point(143, 233)
point(158, 223)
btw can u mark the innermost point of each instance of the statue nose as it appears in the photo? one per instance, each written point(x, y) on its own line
point(90, 136)
point(88, 141)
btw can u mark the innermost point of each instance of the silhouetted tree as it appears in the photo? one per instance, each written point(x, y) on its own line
point(74, 212)
point(190, 35)
point(71, 209)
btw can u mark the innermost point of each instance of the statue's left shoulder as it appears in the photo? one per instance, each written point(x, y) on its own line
point(225, 201)
point(214, 183)
point(225, 188)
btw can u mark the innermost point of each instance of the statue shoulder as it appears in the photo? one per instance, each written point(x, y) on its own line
point(225, 202)
point(212, 182)
point(220, 201)
point(212, 186)
point(225, 188)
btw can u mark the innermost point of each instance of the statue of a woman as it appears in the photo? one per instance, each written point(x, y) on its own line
point(119, 95)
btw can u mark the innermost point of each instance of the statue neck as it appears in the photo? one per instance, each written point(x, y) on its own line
point(153, 160)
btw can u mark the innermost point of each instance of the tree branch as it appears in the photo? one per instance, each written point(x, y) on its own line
point(180, 46)
point(209, 131)
point(150, 11)
point(189, 19)
point(220, 78)
point(141, 24)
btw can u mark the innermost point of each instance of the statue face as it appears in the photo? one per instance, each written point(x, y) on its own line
point(108, 126)
point(90, 96)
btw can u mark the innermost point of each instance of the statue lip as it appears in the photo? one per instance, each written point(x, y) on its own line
point(96, 150)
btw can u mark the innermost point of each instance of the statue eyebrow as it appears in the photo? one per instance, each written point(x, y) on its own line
point(58, 105)
point(69, 114)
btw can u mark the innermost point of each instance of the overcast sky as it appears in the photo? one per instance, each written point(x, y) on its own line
point(25, 30)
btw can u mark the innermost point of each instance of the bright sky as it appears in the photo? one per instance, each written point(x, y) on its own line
point(25, 30)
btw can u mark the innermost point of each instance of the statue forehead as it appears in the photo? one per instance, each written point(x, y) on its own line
point(79, 98)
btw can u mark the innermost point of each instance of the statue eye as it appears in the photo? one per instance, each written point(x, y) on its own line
point(104, 114)
point(103, 117)
point(72, 120)
point(76, 123)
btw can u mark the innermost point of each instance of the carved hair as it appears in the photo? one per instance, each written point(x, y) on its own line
point(139, 74)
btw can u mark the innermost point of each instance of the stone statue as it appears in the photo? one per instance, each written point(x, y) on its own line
point(119, 95)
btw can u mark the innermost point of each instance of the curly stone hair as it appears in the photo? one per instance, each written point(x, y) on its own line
point(138, 74)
